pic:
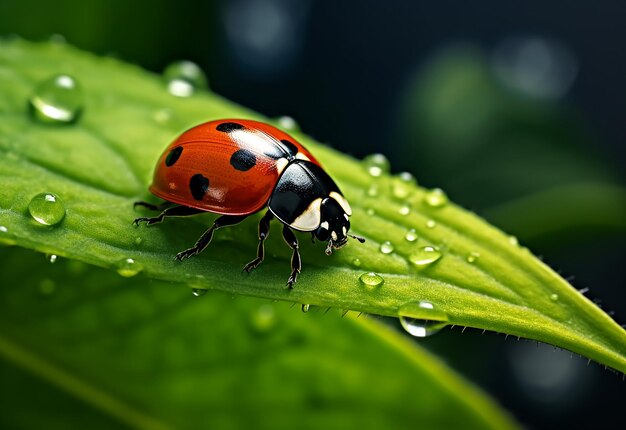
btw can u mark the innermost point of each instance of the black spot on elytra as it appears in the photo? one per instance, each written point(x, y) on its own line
point(227, 127)
point(198, 185)
point(243, 160)
point(291, 147)
point(173, 156)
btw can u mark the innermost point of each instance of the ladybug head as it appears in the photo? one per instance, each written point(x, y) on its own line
point(334, 225)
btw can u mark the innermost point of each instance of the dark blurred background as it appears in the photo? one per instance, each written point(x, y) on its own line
point(515, 109)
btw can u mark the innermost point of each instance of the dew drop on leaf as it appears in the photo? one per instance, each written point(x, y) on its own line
point(411, 235)
point(376, 164)
point(431, 223)
point(472, 257)
point(52, 258)
point(128, 267)
point(404, 210)
point(356, 262)
point(436, 198)
point(305, 307)
point(372, 191)
point(425, 256)
point(58, 99)
point(184, 78)
point(198, 292)
point(422, 319)
point(554, 297)
point(386, 247)
point(46, 209)
point(513, 241)
point(287, 123)
point(371, 279)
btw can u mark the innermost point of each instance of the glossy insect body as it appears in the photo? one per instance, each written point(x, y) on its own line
point(238, 167)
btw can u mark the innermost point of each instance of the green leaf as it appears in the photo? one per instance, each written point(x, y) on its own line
point(100, 351)
point(103, 163)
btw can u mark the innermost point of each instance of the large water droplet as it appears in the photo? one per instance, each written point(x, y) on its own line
point(436, 198)
point(305, 307)
point(287, 123)
point(371, 280)
point(422, 319)
point(404, 210)
point(402, 185)
point(183, 78)
point(411, 235)
point(46, 209)
point(128, 267)
point(58, 99)
point(198, 292)
point(386, 247)
point(473, 256)
point(425, 256)
point(376, 164)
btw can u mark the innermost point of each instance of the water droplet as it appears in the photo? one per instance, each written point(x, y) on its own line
point(373, 190)
point(554, 297)
point(58, 99)
point(473, 256)
point(356, 262)
point(3, 229)
point(263, 319)
point(163, 116)
point(184, 78)
point(407, 178)
point(198, 292)
point(386, 247)
point(128, 267)
point(425, 256)
point(47, 209)
point(52, 258)
point(47, 286)
point(305, 307)
point(422, 319)
point(402, 185)
point(370, 212)
point(287, 123)
point(411, 235)
point(513, 241)
point(404, 210)
point(431, 223)
point(371, 279)
point(376, 164)
point(436, 198)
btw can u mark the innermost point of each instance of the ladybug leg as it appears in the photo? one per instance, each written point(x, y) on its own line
point(205, 239)
point(296, 262)
point(169, 212)
point(264, 231)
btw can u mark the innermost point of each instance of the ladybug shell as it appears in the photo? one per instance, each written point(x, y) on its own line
point(227, 167)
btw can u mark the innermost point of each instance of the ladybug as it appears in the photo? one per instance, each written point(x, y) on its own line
point(238, 167)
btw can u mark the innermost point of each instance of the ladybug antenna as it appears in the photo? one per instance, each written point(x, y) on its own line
point(329, 248)
point(359, 238)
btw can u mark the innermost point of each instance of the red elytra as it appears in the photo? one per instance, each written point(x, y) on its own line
point(230, 191)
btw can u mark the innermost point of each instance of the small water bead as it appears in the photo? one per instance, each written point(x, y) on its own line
point(198, 292)
point(386, 247)
point(425, 256)
point(371, 279)
point(163, 116)
point(370, 212)
point(372, 191)
point(305, 307)
point(554, 297)
point(183, 78)
point(287, 123)
point(473, 256)
point(46, 209)
point(436, 198)
point(422, 319)
point(128, 267)
point(411, 235)
point(356, 262)
point(263, 319)
point(52, 258)
point(58, 99)
point(402, 185)
point(404, 210)
point(513, 241)
point(376, 164)
point(431, 223)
